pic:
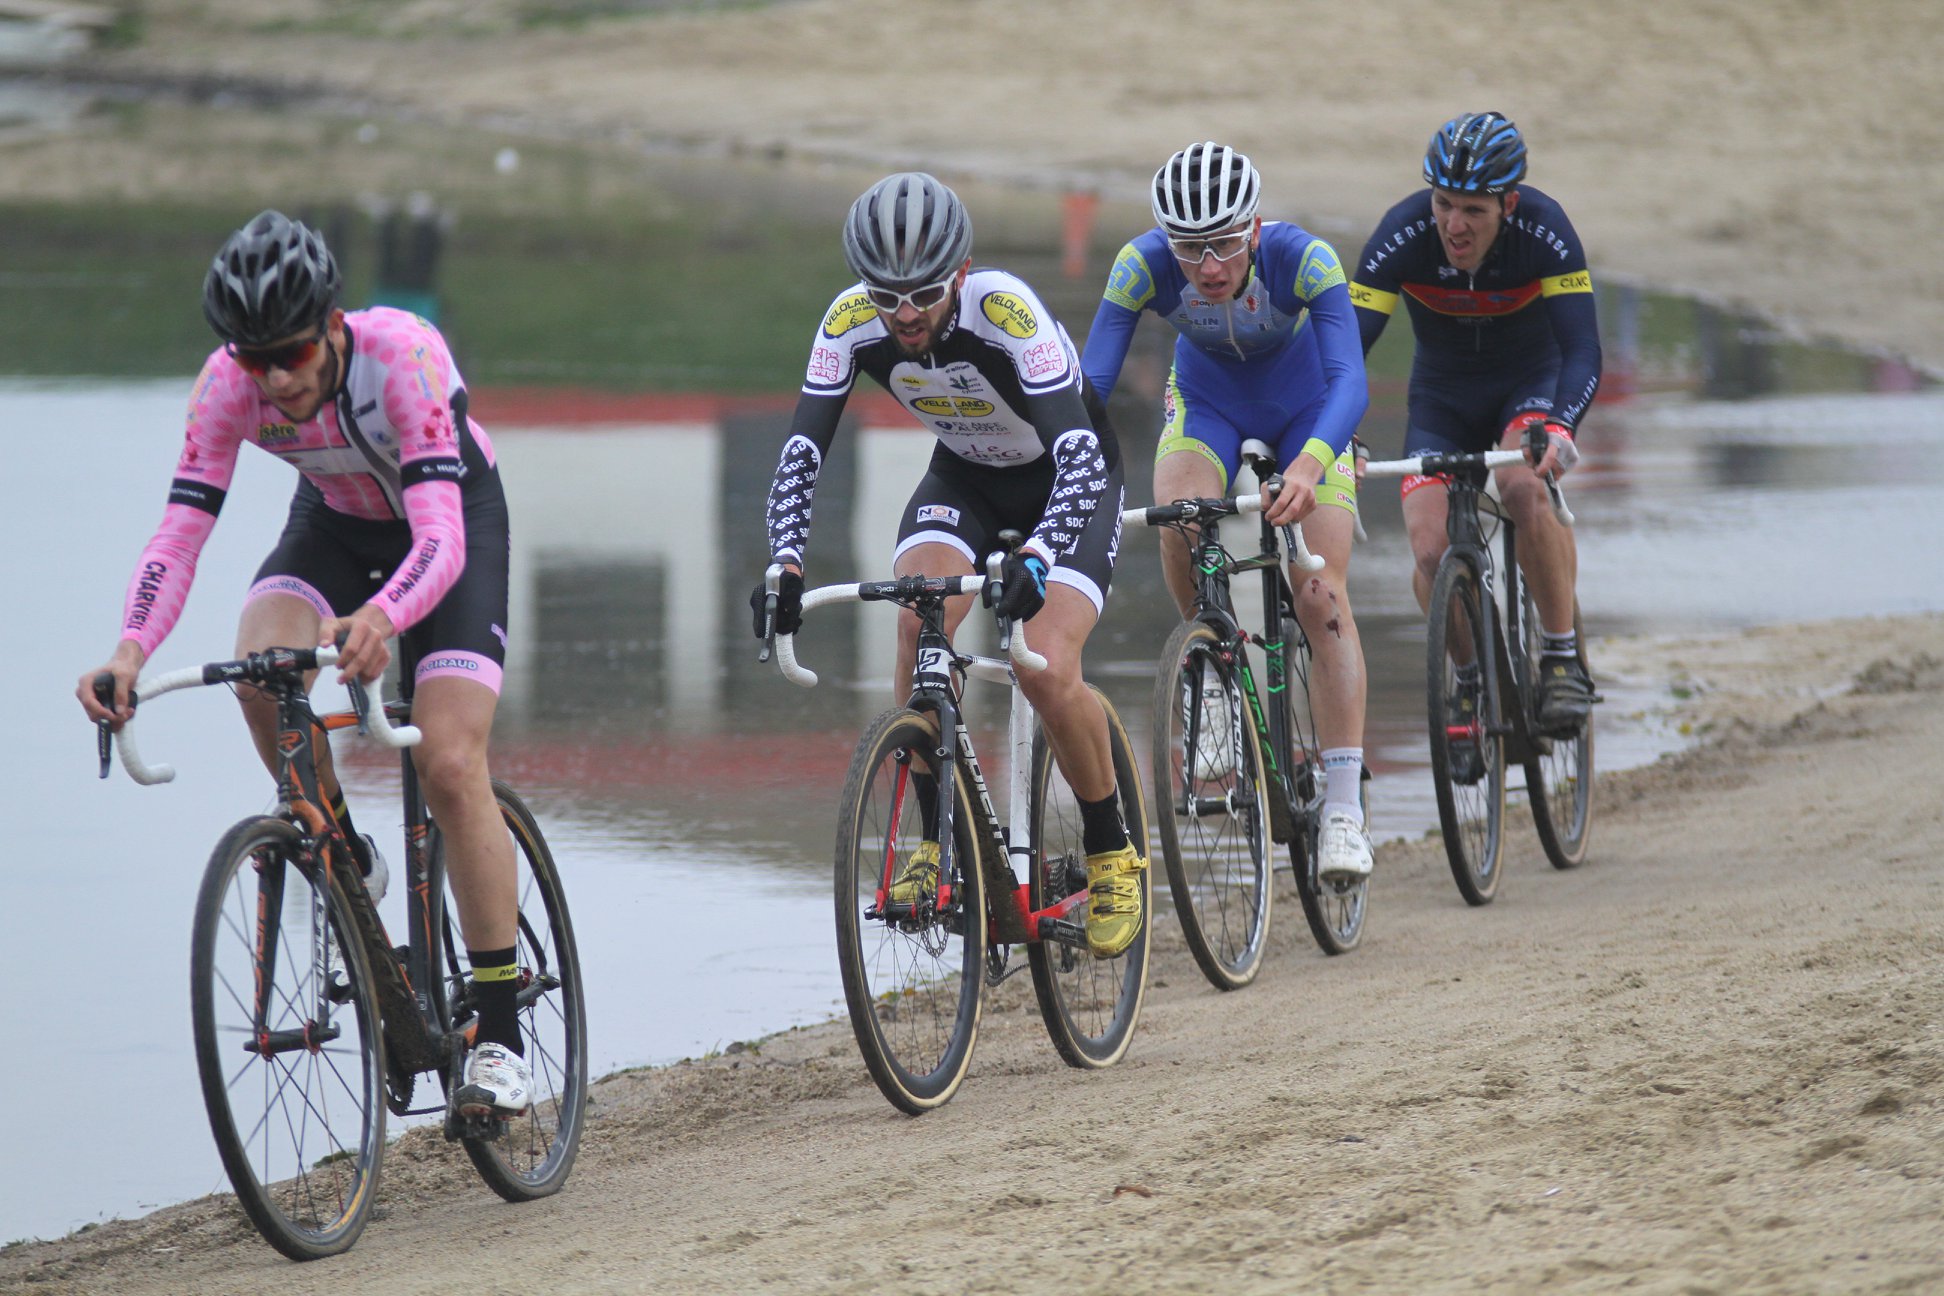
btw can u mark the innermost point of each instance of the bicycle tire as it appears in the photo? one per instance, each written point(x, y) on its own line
point(1559, 771)
point(301, 1129)
point(534, 1152)
point(1334, 908)
point(1218, 860)
point(1471, 811)
point(912, 985)
point(1090, 1004)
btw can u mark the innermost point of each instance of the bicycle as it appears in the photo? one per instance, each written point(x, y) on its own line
point(310, 1026)
point(913, 973)
point(1478, 725)
point(1233, 774)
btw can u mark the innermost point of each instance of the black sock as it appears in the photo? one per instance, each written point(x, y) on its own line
point(342, 813)
point(925, 787)
point(1101, 829)
point(496, 985)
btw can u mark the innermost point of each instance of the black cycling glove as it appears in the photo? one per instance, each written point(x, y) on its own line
point(1022, 586)
point(789, 603)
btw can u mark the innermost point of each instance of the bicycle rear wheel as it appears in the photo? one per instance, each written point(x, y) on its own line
point(1212, 807)
point(1559, 770)
point(287, 1042)
point(913, 976)
point(1467, 740)
point(1090, 1004)
point(532, 1156)
point(1334, 906)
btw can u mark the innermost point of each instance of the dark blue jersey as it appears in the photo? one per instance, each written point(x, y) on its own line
point(1529, 303)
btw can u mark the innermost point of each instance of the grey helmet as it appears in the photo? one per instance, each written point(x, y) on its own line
point(1205, 188)
point(1479, 152)
point(273, 278)
point(906, 231)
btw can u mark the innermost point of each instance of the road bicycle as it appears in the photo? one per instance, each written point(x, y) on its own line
point(310, 1025)
point(1482, 720)
point(1231, 774)
point(914, 972)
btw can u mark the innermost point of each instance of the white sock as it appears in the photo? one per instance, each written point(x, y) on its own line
point(1559, 645)
point(1343, 780)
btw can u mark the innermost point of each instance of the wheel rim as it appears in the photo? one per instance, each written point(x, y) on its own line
point(1214, 816)
point(300, 1126)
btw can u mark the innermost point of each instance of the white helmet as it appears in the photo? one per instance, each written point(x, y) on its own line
point(1205, 188)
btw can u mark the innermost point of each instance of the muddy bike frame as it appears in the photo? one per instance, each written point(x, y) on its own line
point(1005, 857)
point(409, 989)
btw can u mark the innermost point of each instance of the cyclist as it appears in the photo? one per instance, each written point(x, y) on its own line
point(1022, 444)
point(1266, 348)
point(1501, 306)
point(398, 526)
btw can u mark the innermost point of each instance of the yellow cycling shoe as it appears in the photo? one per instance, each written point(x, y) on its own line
point(1115, 885)
point(918, 879)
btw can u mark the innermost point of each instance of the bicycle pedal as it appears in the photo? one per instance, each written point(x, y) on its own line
point(1059, 931)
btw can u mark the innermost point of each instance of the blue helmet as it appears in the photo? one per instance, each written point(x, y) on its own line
point(1478, 153)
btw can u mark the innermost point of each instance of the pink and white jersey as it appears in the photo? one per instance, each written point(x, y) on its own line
point(395, 443)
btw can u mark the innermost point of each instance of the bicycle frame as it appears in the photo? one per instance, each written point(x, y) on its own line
point(1004, 853)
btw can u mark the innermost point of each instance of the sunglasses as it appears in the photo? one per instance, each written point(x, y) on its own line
point(289, 357)
point(921, 299)
point(1225, 247)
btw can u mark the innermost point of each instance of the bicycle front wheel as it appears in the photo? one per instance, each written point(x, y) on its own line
point(1559, 770)
point(287, 1042)
point(1467, 740)
point(1090, 1003)
point(1335, 906)
point(912, 972)
point(1211, 806)
point(532, 1156)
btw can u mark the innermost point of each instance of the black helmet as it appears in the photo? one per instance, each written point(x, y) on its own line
point(1477, 153)
point(1205, 188)
point(272, 279)
point(906, 231)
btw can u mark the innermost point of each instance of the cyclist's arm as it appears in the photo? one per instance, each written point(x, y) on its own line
point(827, 383)
point(1333, 322)
point(1130, 287)
point(1569, 305)
point(418, 401)
point(219, 407)
point(1080, 486)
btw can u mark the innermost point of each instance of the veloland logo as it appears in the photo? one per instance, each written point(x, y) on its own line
point(953, 406)
point(848, 314)
point(1012, 315)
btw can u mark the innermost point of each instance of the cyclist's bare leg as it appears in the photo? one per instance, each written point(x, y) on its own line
point(1323, 609)
point(456, 717)
point(1426, 509)
point(1182, 474)
point(278, 621)
point(1548, 553)
point(1075, 724)
point(926, 560)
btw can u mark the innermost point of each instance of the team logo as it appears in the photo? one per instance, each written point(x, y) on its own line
point(952, 406)
point(938, 513)
point(1010, 313)
point(847, 314)
point(1049, 357)
point(1130, 286)
point(911, 380)
point(823, 364)
point(272, 435)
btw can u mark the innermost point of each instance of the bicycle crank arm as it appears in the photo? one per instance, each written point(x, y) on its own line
point(1061, 931)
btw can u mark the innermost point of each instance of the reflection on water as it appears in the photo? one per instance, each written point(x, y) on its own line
point(690, 791)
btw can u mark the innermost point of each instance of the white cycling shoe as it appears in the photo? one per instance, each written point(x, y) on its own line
point(499, 1083)
point(1344, 851)
point(379, 876)
point(1214, 755)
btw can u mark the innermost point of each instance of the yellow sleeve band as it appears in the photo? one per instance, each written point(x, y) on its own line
point(1372, 299)
point(1319, 450)
point(1580, 281)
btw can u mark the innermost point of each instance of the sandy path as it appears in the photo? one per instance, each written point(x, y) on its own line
point(1707, 1061)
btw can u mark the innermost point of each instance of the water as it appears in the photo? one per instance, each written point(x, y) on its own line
point(688, 791)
